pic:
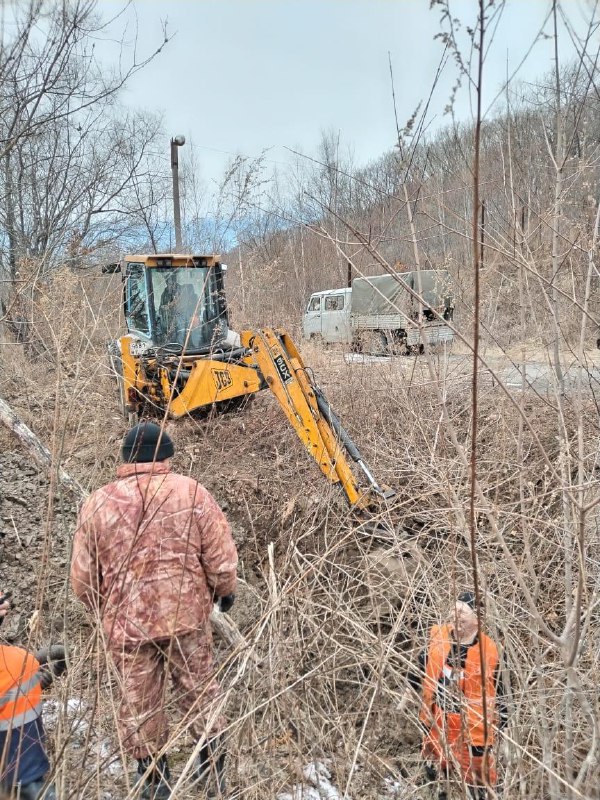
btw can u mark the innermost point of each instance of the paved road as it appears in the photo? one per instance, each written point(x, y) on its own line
point(539, 376)
point(542, 377)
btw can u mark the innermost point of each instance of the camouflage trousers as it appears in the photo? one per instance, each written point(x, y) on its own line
point(144, 710)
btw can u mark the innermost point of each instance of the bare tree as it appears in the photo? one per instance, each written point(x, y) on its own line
point(58, 122)
point(83, 183)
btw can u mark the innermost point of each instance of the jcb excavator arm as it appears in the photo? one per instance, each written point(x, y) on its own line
point(309, 413)
point(266, 359)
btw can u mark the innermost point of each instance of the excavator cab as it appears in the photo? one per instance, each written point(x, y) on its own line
point(175, 302)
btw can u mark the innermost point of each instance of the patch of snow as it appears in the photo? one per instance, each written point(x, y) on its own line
point(393, 787)
point(318, 777)
point(111, 760)
point(72, 717)
point(74, 710)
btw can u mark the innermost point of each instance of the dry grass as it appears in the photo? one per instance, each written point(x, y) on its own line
point(334, 614)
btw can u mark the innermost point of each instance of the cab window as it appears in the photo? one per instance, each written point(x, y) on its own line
point(185, 305)
point(314, 304)
point(136, 299)
point(335, 302)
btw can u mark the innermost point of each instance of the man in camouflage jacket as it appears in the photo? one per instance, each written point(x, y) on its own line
point(151, 553)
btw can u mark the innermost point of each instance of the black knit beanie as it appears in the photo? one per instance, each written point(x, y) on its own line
point(142, 444)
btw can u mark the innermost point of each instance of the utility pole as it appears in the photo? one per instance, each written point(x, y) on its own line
point(177, 141)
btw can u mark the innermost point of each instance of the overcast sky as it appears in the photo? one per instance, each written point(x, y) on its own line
point(240, 76)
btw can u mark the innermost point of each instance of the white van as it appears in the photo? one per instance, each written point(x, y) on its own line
point(327, 316)
point(385, 313)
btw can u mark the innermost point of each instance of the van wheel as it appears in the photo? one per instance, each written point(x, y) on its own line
point(373, 343)
point(398, 346)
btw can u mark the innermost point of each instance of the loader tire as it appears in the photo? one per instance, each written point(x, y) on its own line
point(398, 346)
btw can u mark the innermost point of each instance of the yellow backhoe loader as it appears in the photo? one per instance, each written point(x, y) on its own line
point(180, 356)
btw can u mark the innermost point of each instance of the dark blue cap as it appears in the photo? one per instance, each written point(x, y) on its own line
point(468, 598)
point(147, 442)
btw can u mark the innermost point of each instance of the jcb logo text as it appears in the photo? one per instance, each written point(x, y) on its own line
point(222, 378)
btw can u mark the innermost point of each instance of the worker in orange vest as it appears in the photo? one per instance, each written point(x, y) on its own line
point(460, 676)
point(24, 765)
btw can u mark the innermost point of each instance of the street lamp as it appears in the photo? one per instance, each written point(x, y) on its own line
point(177, 141)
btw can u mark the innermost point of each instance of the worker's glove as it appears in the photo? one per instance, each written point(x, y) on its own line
point(226, 602)
point(53, 662)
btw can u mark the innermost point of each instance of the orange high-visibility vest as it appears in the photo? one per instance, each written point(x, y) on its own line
point(470, 684)
point(20, 690)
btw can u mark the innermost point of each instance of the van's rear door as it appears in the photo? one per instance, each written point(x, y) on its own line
point(335, 325)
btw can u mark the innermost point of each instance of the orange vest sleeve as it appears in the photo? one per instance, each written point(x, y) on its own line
point(20, 690)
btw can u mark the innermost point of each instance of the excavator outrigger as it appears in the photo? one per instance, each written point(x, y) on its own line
point(179, 356)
